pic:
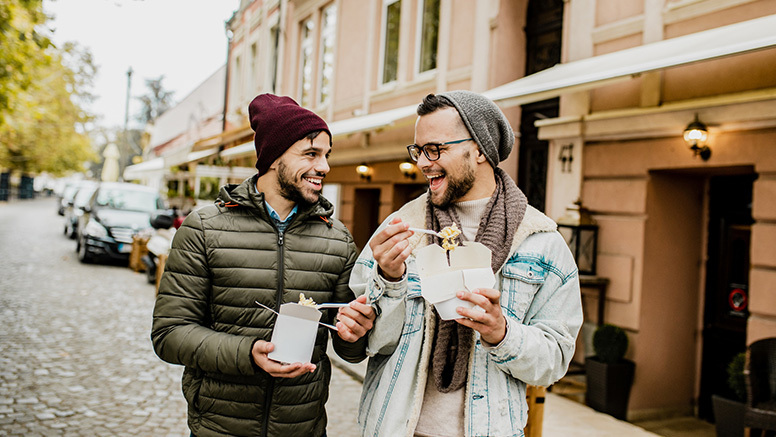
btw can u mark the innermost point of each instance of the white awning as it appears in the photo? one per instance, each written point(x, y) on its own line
point(589, 73)
point(138, 171)
point(196, 156)
point(371, 121)
point(244, 149)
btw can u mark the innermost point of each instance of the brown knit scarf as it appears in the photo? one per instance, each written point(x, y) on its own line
point(503, 214)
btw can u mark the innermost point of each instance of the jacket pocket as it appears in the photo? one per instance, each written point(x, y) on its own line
point(521, 279)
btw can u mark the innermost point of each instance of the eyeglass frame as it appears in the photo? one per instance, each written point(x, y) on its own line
point(424, 149)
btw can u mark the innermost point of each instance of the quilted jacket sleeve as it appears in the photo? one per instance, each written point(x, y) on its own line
point(180, 331)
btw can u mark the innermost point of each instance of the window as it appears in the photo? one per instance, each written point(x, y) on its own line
point(253, 74)
point(237, 84)
point(392, 14)
point(429, 35)
point(328, 31)
point(306, 63)
point(275, 40)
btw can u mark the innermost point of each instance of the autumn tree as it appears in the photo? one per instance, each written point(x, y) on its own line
point(43, 91)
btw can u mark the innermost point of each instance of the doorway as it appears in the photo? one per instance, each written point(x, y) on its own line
point(727, 278)
point(543, 35)
point(366, 211)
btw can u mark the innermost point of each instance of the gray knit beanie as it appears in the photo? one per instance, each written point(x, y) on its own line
point(486, 123)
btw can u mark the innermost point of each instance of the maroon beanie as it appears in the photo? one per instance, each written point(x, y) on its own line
point(278, 123)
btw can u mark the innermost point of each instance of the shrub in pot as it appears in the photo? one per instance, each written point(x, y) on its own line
point(609, 374)
point(729, 412)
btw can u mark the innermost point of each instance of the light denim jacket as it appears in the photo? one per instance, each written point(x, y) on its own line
point(540, 298)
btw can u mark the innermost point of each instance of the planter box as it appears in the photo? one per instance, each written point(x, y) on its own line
point(608, 386)
point(728, 416)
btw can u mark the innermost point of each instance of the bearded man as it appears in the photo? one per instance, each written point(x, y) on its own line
point(267, 240)
point(466, 376)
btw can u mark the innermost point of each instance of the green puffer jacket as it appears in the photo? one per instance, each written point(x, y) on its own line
point(223, 258)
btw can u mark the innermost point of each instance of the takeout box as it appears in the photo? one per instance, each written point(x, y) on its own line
point(469, 268)
point(294, 334)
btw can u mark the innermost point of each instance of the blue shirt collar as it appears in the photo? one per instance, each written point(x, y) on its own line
point(274, 214)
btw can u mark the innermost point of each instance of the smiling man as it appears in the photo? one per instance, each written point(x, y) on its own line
point(268, 239)
point(465, 377)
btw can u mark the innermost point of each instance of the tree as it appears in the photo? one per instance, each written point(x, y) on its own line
point(22, 47)
point(42, 92)
point(155, 102)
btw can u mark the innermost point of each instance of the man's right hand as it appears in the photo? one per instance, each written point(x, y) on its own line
point(391, 248)
point(259, 353)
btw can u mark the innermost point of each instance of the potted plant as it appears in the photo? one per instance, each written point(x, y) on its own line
point(609, 374)
point(729, 412)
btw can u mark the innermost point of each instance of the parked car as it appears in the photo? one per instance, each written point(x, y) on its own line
point(114, 214)
point(68, 193)
point(74, 208)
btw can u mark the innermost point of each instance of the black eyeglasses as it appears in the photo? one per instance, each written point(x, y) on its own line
point(431, 150)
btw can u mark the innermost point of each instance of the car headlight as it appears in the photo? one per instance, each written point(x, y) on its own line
point(94, 229)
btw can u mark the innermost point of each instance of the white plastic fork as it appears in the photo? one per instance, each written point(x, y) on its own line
point(426, 231)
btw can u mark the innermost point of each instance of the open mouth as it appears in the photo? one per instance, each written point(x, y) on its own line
point(435, 180)
point(315, 182)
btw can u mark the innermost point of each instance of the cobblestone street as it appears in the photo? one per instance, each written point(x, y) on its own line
point(75, 352)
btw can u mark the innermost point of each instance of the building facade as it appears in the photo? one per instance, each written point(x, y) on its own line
point(599, 93)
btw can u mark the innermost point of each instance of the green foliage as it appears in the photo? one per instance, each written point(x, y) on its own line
point(735, 374)
point(42, 90)
point(610, 343)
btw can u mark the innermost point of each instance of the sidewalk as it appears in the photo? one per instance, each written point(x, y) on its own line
point(562, 417)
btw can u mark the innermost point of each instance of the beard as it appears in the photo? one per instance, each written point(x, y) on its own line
point(291, 189)
point(457, 187)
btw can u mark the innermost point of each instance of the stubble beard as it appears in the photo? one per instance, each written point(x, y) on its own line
point(456, 187)
point(289, 188)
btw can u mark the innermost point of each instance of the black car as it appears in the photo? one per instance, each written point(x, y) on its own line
point(114, 214)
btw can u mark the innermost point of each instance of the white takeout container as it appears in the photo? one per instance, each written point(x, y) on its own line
point(294, 334)
point(469, 268)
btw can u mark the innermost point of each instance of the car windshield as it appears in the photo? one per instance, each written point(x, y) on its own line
point(83, 195)
point(132, 200)
point(69, 192)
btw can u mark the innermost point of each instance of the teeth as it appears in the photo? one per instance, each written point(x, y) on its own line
point(313, 181)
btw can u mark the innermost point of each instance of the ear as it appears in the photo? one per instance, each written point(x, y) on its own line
point(481, 157)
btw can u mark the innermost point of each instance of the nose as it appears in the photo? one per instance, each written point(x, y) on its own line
point(423, 161)
point(322, 165)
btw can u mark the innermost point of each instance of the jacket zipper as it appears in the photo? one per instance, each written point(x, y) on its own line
point(278, 302)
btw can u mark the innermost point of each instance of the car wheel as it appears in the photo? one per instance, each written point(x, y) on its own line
point(83, 252)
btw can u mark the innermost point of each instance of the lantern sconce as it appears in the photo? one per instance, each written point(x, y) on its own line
point(408, 169)
point(580, 231)
point(695, 135)
point(365, 172)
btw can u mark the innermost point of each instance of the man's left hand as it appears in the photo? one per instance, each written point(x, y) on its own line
point(490, 323)
point(355, 320)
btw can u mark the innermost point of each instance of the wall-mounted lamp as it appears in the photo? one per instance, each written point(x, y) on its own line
point(580, 230)
point(695, 135)
point(364, 171)
point(408, 169)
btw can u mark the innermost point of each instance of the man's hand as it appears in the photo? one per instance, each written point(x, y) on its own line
point(391, 248)
point(490, 323)
point(355, 320)
point(259, 353)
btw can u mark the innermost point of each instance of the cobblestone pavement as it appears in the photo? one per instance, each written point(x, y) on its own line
point(75, 352)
